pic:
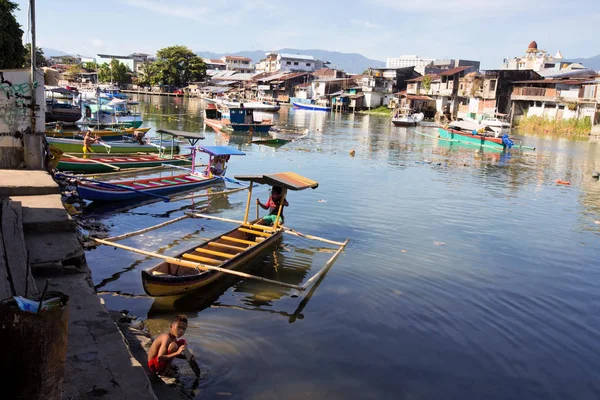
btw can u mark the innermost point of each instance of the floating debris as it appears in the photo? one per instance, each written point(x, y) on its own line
point(439, 243)
point(565, 183)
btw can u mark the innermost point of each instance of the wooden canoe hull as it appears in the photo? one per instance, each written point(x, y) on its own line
point(145, 188)
point(468, 138)
point(87, 166)
point(76, 146)
point(172, 285)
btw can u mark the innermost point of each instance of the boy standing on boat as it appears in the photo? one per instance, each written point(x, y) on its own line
point(273, 206)
point(88, 140)
point(167, 346)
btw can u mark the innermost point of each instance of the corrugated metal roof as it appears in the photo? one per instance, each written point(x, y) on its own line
point(420, 78)
point(238, 58)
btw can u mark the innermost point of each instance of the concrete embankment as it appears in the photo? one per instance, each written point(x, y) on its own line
point(99, 363)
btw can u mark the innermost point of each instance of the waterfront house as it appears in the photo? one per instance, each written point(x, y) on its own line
point(566, 97)
point(214, 64)
point(379, 84)
point(279, 86)
point(238, 64)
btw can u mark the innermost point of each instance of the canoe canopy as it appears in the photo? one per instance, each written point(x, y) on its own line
point(221, 151)
point(192, 137)
point(288, 180)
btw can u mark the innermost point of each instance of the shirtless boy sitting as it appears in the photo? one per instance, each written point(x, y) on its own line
point(167, 346)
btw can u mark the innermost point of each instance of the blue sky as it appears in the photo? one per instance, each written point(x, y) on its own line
point(486, 30)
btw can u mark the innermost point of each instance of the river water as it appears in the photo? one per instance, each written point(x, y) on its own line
point(468, 274)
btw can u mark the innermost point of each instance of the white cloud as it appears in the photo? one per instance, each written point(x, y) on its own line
point(364, 24)
point(456, 5)
point(97, 43)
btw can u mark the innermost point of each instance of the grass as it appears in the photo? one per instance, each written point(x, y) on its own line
point(381, 110)
point(565, 127)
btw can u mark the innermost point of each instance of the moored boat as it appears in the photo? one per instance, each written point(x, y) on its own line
point(61, 111)
point(99, 164)
point(475, 138)
point(313, 107)
point(229, 251)
point(158, 186)
point(235, 119)
point(76, 146)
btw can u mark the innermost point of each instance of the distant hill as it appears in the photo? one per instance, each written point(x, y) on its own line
point(53, 52)
point(350, 62)
point(592, 62)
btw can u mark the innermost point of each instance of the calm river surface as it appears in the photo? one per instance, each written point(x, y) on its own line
point(474, 279)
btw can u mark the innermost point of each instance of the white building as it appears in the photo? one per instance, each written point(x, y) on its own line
point(408, 61)
point(540, 61)
point(297, 62)
point(239, 64)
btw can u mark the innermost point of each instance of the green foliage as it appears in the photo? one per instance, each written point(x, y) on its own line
point(116, 72)
point(40, 60)
point(566, 127)
point(90, 66)
point(426, 83)
point(175, 65)
point(383, 110)
point(72, 71)
point(11, 37)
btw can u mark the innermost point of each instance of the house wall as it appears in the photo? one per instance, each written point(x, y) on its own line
point(376, 99)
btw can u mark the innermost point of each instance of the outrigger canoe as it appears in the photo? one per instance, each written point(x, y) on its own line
point(231, 250)
point(93, 165)
point(76, 146)
point(477, 139)
point(156, 187)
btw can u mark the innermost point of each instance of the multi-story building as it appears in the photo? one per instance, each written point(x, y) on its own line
point(213, 64)
point(541, 62)
point(238, 63)
point(408, 61)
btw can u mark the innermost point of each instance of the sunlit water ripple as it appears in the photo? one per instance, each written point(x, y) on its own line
point(474, 278)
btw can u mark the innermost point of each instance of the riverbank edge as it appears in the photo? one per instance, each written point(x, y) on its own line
point(99, 361)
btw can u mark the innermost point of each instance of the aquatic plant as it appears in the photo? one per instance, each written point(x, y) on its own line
point(568, 127)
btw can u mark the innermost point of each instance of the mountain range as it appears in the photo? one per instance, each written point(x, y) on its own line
point(592, 62)
point(353, 63)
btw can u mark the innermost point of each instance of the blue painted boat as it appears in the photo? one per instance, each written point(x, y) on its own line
point(312, 107)
point(236, 119)
point(157, 187)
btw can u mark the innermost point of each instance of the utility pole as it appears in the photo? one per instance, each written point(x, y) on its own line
point(33, 142)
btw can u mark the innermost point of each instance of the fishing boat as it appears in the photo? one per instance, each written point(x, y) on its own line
point(475, 138)
point(235, 120)
point(115, 111)
point(313, 107)
point(230, 251)
point(405, 118)
point(103, 164)
point(76, 146)
point(93, 190)
point(251, 105)
point(61, 111)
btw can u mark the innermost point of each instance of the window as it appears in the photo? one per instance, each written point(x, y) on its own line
point(492, 85)
point(308, 64)
point(288, 63)
point(295, 62)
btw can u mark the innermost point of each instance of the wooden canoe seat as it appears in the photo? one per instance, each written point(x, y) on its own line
point(253, 232)
point(259, 227)
point(182, 180)
point(215, 253)
point(141, 184)
point(227, 246)
point(155, 273)
point(202, 259)
point(236, 240)
point(169, 182)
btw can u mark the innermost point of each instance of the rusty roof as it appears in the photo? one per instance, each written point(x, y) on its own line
point(456, 70)
point(420, 78)
point(238, 58)
point(557, 81)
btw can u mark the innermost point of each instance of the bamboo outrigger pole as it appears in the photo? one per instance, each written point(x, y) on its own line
point(151, 228)
point(95, 162)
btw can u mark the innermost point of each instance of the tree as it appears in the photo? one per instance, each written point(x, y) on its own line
point(11, 37)
point(116, 72)
point(176, 65)
point(72, 72)
point(90, 66)
point(40, 60)
point(426, 83)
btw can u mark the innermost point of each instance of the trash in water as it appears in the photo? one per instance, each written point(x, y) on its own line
point(438, 243)
point(322, 201)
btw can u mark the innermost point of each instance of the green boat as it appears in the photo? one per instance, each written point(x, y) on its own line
point(103, 164)
point(476, 140)
point(76, 146)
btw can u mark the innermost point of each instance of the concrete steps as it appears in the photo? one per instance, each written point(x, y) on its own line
point(44, 214)
point(21, 182)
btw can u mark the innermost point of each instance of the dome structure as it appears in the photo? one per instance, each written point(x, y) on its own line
point(533, 47)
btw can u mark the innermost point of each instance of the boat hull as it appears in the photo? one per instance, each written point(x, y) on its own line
point(87, 166)
point(311, 107)
point(404, 123)
point(76, 146)
point(258, 128)
point(95, 192)
point(468, 138)
point(171, 285)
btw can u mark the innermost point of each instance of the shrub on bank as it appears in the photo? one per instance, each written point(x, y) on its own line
point(568, 127)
